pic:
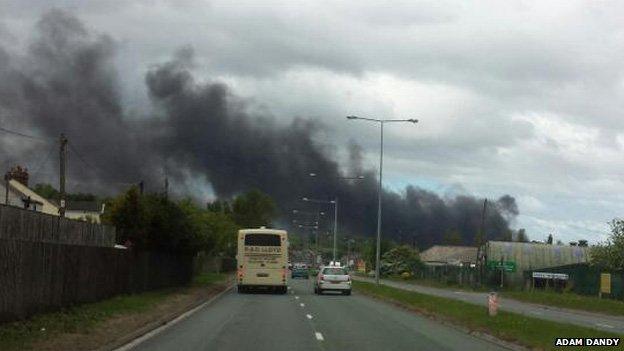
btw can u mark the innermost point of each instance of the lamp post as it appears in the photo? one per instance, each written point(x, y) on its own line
point(335, 203)
point(379, 187)
point(318, 215)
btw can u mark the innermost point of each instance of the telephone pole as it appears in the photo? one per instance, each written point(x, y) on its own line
point(62, 169)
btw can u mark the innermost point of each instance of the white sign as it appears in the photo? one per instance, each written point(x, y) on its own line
point(546, 275)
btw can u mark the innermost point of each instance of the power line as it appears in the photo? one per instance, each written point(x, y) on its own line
point(72, 148)
point(41, 164)
point(8, 131)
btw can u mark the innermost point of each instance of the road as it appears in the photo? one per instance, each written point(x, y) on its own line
point(301, 320)
point(582, 318)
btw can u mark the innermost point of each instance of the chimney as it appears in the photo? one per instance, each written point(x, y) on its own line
point(20, 174)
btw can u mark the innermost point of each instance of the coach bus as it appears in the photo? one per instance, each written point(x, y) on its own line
point(262, 260)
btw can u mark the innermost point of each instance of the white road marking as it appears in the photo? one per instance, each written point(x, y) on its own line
point(604, 325)
point(309, 316)
point(289, 288)
point(296, 297)
point(302, 304)
point(537, 312)
point(319, 336)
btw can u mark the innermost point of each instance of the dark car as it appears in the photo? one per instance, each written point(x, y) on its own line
point(300, 271)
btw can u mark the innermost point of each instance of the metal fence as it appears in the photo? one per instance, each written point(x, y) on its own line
point(38, 276)
point(449, 274)
point(21, 224)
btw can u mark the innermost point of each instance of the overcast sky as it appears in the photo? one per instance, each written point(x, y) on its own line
point(522, 98)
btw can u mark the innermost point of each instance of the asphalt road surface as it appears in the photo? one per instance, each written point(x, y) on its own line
point(301, 320)
point(582, 318)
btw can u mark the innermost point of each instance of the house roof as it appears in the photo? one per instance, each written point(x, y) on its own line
point(449, 254)
point(27, 192)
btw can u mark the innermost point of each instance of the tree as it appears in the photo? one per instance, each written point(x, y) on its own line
point(549, 241)
point(399, 260)
point(152, 222)
point(610, 254)
point(253, 209)
point(369, 251)
point(522, 236)
point(582, 243)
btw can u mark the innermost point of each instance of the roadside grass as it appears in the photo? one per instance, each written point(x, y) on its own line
point(206, 279)
point(82, 318)
point(568, 300)
point(531, 332)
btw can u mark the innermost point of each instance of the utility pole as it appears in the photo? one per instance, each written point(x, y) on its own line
point(62, 169)
point(141, 187)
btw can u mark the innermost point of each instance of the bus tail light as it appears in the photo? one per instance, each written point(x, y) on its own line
point(321, 277)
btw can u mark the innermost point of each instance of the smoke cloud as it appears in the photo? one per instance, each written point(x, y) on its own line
point(66, 82)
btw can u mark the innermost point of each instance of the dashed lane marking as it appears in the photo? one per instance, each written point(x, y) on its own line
point(309, 316)
point(302, 304)
point(319, 336)
point(296, 297)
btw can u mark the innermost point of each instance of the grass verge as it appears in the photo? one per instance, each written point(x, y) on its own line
point(569, 300)
point(530, 332)
point(82, 319)
point(549, 298)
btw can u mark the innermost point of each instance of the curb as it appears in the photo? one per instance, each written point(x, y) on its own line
point(154, 328)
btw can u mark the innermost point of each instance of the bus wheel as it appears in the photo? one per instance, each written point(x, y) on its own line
point(241, 289)
point(283, 290)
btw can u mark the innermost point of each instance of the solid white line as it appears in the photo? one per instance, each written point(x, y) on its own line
point(309, 316)
point(605, 325)
point(319, 336)
point(302, 304)
point(185, 315)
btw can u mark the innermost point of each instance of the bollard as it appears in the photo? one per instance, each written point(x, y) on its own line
point(493, 304)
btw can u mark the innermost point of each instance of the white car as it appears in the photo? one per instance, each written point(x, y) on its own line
point(332, 278)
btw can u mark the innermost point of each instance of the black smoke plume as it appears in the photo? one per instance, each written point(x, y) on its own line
point(66, 82)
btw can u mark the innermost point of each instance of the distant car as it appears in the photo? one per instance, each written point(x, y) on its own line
point(332, 278)
point(300, 271)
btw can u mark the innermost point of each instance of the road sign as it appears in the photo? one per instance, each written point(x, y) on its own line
point(507, 266)
point(549, 275)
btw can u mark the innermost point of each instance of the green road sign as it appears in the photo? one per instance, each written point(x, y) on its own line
point(507, 266)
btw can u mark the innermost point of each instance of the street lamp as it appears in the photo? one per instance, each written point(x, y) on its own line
point(379, 189)
point(335, 203)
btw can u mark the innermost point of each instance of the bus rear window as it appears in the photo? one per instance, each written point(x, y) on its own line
point(262, 240)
